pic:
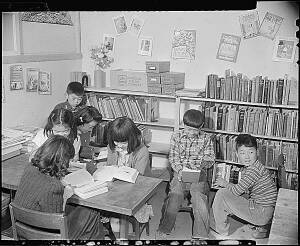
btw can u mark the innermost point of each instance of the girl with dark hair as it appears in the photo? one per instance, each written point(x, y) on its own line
point(41, 189)
point(60, 122)
point(87, 118)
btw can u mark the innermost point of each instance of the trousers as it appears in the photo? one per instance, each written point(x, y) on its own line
point(199, 198)
point(226, 203)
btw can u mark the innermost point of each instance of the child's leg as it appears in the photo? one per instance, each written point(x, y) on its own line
point(199, 193)
point(171, 206)
point(226, 203)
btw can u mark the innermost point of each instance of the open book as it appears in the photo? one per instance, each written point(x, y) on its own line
point(190, 176)
point(108, 173)
point(84, 184)
point(228, 172)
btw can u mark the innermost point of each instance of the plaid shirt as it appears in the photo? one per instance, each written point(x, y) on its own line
point(192, 150)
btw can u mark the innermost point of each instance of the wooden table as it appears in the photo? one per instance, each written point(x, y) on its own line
point(284, 228)
point(123, 198)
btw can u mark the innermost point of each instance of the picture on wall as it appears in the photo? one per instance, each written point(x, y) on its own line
point(270, 25)
point(16, 77)
point(145, 46)
point(50, 17)
point(109, 41)
point(184, 44)
point(32, 79)
point(136, 26)
point(284, 49)
point(249, 24)
point(228, 47)
point(45, 83)
point(120, 24)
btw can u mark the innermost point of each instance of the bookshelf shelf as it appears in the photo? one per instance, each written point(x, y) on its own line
point(159, 148)
point(161, 122)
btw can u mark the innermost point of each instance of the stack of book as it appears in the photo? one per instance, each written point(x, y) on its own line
point(143, 109)
point(238, 87)
point(11, 143)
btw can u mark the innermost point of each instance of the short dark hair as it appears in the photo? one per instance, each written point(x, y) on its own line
point(53, 156)
point(75, 88)
point(88, 114)
point(193, 118)
point(123, 129)
point(61, 116)
point(246, 140)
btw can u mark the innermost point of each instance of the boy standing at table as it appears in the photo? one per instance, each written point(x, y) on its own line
point(191, 148)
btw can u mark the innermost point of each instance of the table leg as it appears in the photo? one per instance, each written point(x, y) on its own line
point(124, 227)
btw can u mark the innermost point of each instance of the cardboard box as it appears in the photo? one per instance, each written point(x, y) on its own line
point(174, 78)
point(133, 80)
point(153, 79)
point(171, 89)
point(157, 66)
point(155, 89)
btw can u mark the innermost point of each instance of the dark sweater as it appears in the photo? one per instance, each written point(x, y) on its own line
point(38, 191)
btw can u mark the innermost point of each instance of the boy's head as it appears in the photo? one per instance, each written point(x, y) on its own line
point(246, 147)
point(193, 118)
point(75, 91)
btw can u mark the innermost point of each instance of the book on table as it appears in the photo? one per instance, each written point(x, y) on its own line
point(190, 175)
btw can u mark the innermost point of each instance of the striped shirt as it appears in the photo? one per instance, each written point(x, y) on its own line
point(257, 181)
point(191, 150)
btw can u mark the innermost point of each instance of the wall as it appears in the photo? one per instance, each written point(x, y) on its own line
point(48, 47)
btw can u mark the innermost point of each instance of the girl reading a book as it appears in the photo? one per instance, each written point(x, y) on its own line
point(87, 118)
point(126, 149)
point(256, 181)
point(41, 189)
point(60, 122)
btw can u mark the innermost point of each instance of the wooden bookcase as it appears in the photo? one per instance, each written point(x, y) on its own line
point(174, 123)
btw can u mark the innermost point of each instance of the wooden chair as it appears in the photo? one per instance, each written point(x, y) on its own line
point(30, 224)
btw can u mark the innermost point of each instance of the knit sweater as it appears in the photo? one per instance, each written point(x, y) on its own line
point(38, 191)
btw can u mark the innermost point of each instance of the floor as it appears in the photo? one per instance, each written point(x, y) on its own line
point(183, 228)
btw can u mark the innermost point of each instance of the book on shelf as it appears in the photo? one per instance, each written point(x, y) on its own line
point(190, 175)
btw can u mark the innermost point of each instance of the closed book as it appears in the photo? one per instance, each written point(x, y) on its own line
point(219, 117)
point(219, 171)
point(260, 89)
point(245, 92)
point(266, 90)
point(95, 192)
point(190, 176)
point(239, 87)
point(234, 84)
point(241, 119)
point(280, 83)
point(253, 90)
point(218, 88)
point(222, 90)
point(294, 90)
point(249, 90)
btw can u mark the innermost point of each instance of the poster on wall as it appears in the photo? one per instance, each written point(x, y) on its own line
point(44, 83)
point(145, 46)
point(270, 25)
point(228, 47)
point(284, 49)
point(50, 17)
point(120, 24)
point(136, 26)
point(249, 24)
point(109, 41)
point(32, 79)
point(184, 44)
point(3, 91)
point(16, 77)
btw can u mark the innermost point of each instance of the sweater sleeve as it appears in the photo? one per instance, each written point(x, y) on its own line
point(174, 154)
point(142, 162)
point(209, 153)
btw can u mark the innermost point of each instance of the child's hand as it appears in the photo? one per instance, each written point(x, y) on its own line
point(221, 182)
point(68, 192)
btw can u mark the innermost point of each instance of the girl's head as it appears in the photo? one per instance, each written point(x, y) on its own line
point(246, 146)
point(123, 135)
point(53, 156)
point(61, 122)
point(88, 118)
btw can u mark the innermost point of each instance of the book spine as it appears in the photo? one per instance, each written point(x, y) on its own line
point(280, 90)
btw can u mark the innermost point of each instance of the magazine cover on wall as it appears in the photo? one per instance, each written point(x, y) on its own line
point(58, 17)
point(145, 46)
point(228, 47)
point(249, 24)
point(32, 79)
point(45, 83)
point(136, 26)
point(16, 77)
point(109, 41)
point(120, 24)
point(270, 25)
point(284, 49)
point(184, 44)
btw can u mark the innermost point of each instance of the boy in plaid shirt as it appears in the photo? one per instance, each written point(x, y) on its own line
point(191, 148)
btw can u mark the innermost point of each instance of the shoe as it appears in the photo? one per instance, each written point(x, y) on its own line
point(160, 235)
point(260, 233)
point(216, 236)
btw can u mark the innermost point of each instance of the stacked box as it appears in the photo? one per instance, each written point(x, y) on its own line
point(153, 83)
point(157, 66)
point(171, 82)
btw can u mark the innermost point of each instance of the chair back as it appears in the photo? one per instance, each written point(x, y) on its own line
point(31, 224)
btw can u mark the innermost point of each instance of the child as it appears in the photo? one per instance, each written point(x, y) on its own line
point(191, 148)
point(75, 98)
point(60, 122)
point(256, 181)
point(41, 189)
point(125, 149)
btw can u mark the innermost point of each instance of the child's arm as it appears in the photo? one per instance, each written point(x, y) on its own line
point(174, 155)
point(142, 160)
point(209, 153)
point(76, 144)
